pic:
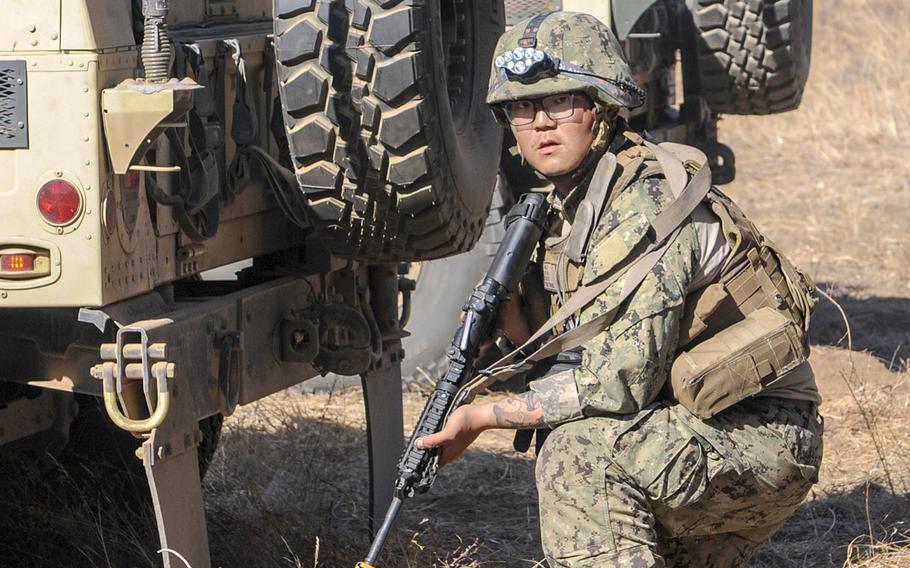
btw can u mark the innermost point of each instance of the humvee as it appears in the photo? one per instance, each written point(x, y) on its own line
point(146, 142)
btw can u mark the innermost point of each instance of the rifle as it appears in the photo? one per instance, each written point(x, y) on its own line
point(525, 224)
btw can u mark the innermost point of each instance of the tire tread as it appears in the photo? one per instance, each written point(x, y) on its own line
point(363, 132)
point(753, 55)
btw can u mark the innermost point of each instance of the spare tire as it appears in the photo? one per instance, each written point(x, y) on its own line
point(753, 55)
point(384, 112)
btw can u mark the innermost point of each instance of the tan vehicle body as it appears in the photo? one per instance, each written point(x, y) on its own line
point(113, 307)
point(76, 53)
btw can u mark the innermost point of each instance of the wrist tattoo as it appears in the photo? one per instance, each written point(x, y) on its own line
point(521, 411)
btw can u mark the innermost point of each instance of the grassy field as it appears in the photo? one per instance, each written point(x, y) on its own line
point(830, 183)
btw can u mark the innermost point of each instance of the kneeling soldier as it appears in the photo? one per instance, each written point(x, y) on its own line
point(683, 409)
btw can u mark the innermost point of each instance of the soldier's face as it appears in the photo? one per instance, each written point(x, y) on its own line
point(555, 147)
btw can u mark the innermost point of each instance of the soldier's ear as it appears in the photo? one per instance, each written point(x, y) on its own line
point(604, 113)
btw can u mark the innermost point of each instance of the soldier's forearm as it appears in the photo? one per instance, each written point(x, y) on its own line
point(520, 412)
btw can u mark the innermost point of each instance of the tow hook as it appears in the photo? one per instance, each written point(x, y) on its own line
point(125, 361)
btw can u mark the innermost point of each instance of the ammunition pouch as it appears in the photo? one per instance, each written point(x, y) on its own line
point(743, 333)
point(737, 362)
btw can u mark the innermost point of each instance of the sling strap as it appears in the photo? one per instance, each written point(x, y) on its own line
point(666, 227)
point(244, 123)
point(502, 370)
point(587, 213)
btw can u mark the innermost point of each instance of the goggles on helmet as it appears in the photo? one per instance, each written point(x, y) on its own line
point(528, 64)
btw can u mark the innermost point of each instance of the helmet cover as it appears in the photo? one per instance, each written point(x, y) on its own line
point(559, 52)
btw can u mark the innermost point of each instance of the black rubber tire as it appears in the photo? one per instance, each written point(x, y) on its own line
point(383, 106)
point(753, 55)
point(443, 286)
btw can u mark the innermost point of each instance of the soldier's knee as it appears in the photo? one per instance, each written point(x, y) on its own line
point(550, 458)
point(571, 452)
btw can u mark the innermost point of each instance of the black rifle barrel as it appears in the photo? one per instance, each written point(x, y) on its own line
point(525, 225)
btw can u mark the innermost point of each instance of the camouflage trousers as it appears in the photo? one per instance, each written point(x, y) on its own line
point(664, 488)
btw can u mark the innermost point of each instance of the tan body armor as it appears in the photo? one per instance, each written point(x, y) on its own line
point(739, 335)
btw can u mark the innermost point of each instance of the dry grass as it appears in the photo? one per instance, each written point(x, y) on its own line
point(828, 182)
point(859, 510)
point(291, 471)
point(831, 181)
point(481, 513)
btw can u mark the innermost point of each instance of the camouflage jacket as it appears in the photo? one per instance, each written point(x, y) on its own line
point(624, 368)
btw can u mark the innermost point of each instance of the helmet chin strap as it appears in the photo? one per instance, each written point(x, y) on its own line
point(603, 128)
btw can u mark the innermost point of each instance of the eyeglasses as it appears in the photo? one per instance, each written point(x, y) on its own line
point(558, 107)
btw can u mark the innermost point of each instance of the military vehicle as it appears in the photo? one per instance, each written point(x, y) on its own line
point(145, 142)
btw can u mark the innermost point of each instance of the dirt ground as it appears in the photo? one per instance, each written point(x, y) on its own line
point(830, 183)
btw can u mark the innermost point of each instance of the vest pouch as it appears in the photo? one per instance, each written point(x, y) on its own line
point(737, 362)
point(698, 312)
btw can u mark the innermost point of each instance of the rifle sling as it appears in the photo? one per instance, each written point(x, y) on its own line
point(502, 370)
point(666, 226)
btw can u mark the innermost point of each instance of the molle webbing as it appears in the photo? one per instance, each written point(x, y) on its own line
point(563, 262)
point(755, 283)
point(560, 273)
point(562, 267)
point(612, 176)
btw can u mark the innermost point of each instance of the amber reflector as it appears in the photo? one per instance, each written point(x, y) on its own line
point(17, 262)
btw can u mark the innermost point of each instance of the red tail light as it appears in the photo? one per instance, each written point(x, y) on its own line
point(59, 202)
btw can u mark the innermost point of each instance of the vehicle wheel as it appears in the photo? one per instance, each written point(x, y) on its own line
point(443, 287)
point(385, 119)
point(753, 55)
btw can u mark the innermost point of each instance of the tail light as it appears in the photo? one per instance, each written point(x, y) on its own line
point(59, 202)
point(17, 262)
point(23, 263)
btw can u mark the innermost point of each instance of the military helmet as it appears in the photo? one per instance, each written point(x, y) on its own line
point(557, 52)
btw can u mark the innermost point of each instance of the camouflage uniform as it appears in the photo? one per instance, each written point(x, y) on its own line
point(627, 477)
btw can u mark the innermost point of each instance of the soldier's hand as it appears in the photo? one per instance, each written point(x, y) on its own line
point(460, 431)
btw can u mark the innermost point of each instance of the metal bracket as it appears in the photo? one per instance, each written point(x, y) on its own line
point(406, 287)
point(124, 366)
point(133, 113)
point(229, 345)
